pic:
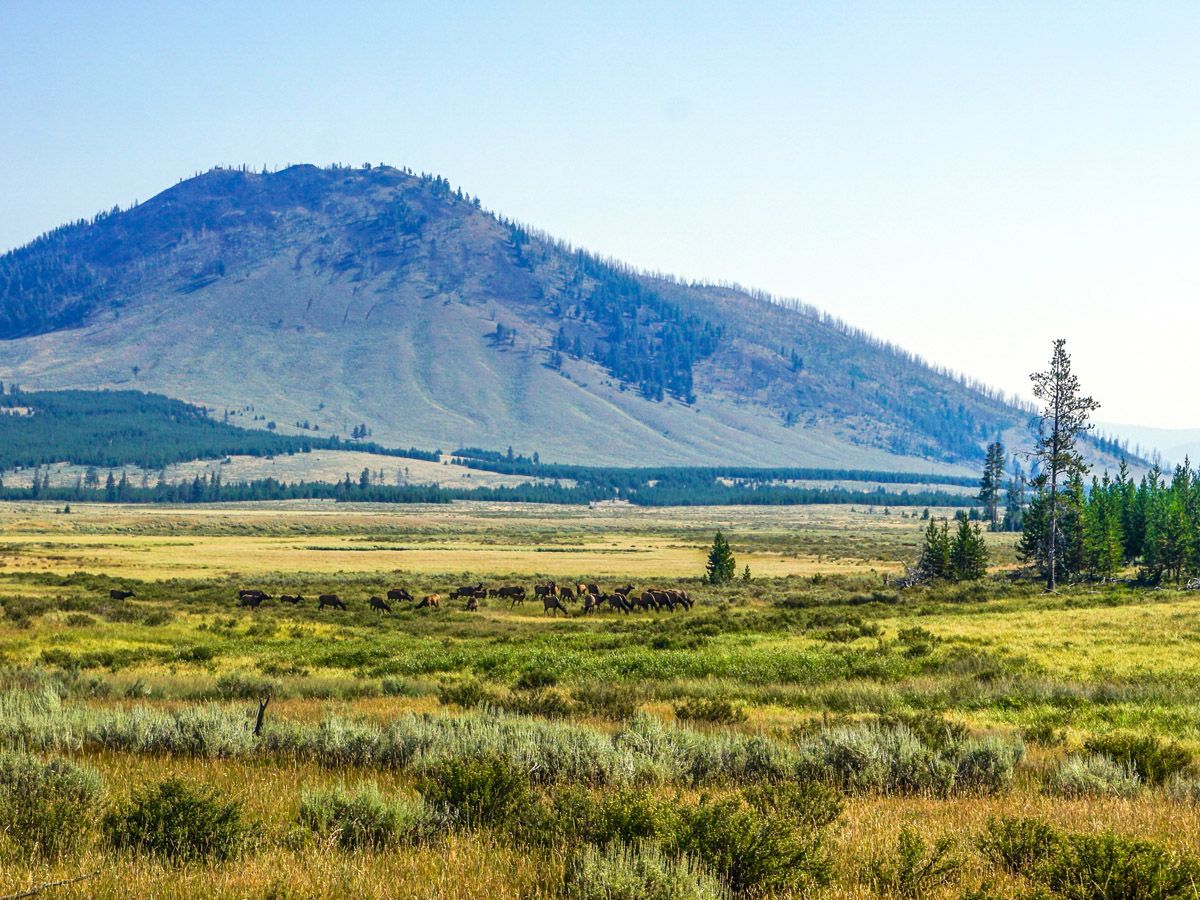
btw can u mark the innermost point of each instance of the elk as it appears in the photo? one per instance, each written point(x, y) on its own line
point(467, 590)
point(399, 594)
point(567, 593)
point(251, 599)
point(379, 606)
point(290, 598)
point(515, 594)
point(332, 600)
point(590, 603)
point(120, 595)
point(434, 600)
point(551, 603)
point(549, 589)
point(473, 604)
point(616, 601)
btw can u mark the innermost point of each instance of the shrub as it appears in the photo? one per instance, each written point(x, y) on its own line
point(178, 821)
point(606, 702)
point(1043, 734)
point(1153, 759)
point(715, 711)
point(1183, 789)
point(810, 803)
point(916, 868)
point(547, 704)
point(637, 873)
point(365, 818)
point(464, 694)
point(750, 850)
point(1093, 776)
point(46, 809)
point(625, 816)
point(1019, 845)
point(241, 686)
point(535, 680)
point(478, 792)
point(933, 729)
point(1111, 867)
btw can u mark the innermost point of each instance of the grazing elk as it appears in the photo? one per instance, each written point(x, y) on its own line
point(332, 600)
point(251, 599)
point(680, 597)
point(551, 603)
point(617, 602)
point(567, 593)
point(379, 606)
point(399, 594)
point(591, 603)
point(466, 590)
point(434, 600)
point(120, 595)
point(293, 599)
point(473, 604)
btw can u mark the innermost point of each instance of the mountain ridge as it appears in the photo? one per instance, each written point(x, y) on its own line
point(383, 297)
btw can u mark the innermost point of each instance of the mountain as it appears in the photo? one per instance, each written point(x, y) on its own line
point(340, 297)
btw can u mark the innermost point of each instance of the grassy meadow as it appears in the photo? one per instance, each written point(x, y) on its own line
point(812, 731)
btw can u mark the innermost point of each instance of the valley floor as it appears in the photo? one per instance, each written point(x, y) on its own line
point(951, 711)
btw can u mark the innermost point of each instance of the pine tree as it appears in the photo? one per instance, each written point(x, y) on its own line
point(721, 564)
point(1014, 499)
point(968, 552)
point(989, 484)
point(1064, 417)
point(935, 552)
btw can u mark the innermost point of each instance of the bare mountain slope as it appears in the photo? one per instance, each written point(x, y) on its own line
point(339, 296)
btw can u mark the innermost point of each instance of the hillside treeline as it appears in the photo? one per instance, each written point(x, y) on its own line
point(131, 428)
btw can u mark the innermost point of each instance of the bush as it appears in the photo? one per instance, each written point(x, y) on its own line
point(1103, 866)
point(1020, 846)
point(478, 792)
point(535, 680)
point(625, 816)
point(916, 868)
point(1111, 867)
point(1183, 789)
point(637, 873)
point(1153, 759)
point(1093, 776)
point(241, 686)
point(715, 711)
point(812, 804)
point(464, 694)
point(46, 809)
point(749, 849)
point(547, 704)
point(178, 821)
point(365, 819)
point(606, 702)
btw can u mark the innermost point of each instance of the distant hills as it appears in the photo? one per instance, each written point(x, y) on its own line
point(378, 299)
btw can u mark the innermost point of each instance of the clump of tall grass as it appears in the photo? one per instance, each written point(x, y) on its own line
point(623, 872)
point(1093, 776)
point(46, 808)
point(1153, 759)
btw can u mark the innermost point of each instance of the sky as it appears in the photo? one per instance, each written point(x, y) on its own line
point(968, 180)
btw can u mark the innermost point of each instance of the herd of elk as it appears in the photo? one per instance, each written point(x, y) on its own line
point(554, 598)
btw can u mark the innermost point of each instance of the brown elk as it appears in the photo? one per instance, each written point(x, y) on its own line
point(591, 603)
point(549, 589)
point(252, 599)
point(680, 597)
point(624, 591)
point(466, 590)
point(567, 593)
point(290, 598)
point(617, 602)
point(399, 594)
point(379, 606)
point(473, 604)
point(515, 594)
point(120, 595)
point(434, 600)
point(332, 600)
point(551, 603)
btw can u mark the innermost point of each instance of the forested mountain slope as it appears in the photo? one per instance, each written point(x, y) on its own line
point(338, 297)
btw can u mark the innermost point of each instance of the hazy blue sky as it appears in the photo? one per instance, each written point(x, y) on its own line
point(966, 179)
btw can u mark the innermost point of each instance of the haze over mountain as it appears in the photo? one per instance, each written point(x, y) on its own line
point(341, 296)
